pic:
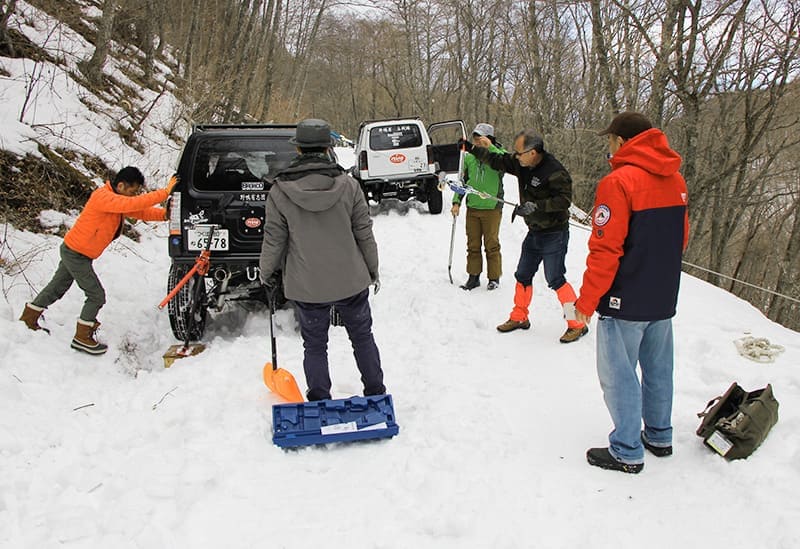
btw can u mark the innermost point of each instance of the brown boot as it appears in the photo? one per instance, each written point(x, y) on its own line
point(30, 316)
point(511, 325)
point(574, 334)
point(84, 338)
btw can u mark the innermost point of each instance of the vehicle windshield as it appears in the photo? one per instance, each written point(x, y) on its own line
point(228, 164)
point(395, 136)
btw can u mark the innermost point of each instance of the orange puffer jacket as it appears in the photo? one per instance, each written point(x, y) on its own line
point(100, 222)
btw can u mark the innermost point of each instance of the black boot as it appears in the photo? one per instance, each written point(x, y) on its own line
point(601, 457)
point(471, 283)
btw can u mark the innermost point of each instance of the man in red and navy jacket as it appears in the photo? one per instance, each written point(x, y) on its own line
point(640, 228)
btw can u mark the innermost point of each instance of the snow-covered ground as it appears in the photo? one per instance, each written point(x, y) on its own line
point(118, 452)
point(493, 427)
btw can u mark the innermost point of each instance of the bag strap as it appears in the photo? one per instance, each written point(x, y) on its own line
point(714, 401)
point(710, 405)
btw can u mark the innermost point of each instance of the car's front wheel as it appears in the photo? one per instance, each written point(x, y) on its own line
point(189, 308)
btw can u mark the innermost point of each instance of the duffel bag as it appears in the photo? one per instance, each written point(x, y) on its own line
point(736, 423)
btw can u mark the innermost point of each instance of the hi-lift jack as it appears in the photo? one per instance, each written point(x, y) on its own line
point(201, 266)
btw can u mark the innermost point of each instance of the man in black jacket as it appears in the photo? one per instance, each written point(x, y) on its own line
point(545, 191)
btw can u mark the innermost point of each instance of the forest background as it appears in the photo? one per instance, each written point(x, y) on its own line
point(719, 76)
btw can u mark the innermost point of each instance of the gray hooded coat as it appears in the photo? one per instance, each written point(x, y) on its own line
point(318, 230)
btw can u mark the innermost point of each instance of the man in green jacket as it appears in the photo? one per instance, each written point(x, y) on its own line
point(483, 214)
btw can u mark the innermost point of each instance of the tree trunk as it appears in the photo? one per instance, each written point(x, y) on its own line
point(7, 8)
point(601, 54)
point(273, 23)
point(93, 68)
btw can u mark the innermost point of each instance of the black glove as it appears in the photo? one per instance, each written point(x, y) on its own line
point(465, 145)
point(271, 284)
point(524, 209)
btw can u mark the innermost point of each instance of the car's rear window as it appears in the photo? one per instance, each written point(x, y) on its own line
point(241, 164)
point(395, 136)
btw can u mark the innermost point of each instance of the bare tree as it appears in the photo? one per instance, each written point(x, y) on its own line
point(93, 68)
point(7, 8)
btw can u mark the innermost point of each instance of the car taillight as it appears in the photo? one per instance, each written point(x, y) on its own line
point(175, 213)
point(431, 160)
point(363, 166)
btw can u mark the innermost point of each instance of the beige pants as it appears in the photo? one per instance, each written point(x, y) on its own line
point(483, 226)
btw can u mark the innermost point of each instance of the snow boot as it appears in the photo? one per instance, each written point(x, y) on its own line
point(30, 316)
point(493, 284)
point(518, 319)
point(658, 451)
point(472, 282)
point(573, 334)
point(601, 457)
point(84, 338)
point(575, 329)
point(510, 325)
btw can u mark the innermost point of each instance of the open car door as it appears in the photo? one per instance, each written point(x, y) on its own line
point(444, 142)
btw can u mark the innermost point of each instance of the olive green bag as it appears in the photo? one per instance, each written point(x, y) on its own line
point(736, 423)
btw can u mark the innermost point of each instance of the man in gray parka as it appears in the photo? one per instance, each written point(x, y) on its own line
point(319, 232)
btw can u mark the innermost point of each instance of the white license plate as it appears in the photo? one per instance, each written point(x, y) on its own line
point(198, 239)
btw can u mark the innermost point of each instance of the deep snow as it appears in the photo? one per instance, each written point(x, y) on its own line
point(116, 451)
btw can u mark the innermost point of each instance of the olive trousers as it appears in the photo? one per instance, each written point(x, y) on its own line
point(483, 228)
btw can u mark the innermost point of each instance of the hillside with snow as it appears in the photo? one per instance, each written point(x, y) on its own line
point(117, 451)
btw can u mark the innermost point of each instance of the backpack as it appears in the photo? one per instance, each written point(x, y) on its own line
point(736, 423)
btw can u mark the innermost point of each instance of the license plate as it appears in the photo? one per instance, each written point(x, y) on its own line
point(198, 239)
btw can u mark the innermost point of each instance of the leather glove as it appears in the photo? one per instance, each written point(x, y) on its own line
point(526, 208)
point(171, 183)
point(376, 285)
point(465, 145)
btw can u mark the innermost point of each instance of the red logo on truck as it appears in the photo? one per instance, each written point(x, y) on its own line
point(398, 158)
point(252, 222)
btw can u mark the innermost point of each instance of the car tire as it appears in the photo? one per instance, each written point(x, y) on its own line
point(434, 199)
point(179, 307)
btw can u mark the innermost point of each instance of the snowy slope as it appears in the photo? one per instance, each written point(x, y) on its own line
point(116, 451)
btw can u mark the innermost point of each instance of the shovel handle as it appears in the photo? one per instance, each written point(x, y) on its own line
point(272, 301)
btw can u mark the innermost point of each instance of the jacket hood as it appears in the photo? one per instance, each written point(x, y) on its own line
point(312, 183)
point(650, 151)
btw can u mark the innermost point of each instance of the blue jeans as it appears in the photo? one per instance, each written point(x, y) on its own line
point(548, 247)
point(620, 345)
point(357, 319)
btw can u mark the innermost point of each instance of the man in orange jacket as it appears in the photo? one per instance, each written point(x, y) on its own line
point(640, 228)
point(99, 223)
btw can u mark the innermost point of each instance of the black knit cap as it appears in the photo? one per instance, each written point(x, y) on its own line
point(627, 124)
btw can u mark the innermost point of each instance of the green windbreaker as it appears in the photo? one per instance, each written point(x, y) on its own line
point(483, 178)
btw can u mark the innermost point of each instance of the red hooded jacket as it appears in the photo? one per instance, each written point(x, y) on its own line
point(640, 227)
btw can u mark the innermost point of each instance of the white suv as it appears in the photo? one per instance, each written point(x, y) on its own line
point(397, 159)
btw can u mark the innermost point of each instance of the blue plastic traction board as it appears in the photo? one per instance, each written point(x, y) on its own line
point(338, 420)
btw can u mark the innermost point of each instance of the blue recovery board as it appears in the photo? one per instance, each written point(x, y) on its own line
point(338, 420)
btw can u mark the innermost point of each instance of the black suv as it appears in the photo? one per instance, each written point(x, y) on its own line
point(225, 174)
